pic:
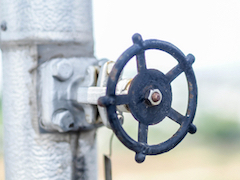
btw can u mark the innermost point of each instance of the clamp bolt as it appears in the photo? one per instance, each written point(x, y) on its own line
point(63, 121)
point(4, 25)
point(62, 70)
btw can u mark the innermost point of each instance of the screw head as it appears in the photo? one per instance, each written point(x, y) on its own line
point(63, 120)
point(155, 97)
point(4, 25)
point(62, 70)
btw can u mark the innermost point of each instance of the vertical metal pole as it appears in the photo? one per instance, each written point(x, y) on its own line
point(33, 32)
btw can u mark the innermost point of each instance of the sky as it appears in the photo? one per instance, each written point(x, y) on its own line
point(209, 29)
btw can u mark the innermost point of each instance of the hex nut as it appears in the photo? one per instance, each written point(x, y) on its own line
point(62, 70)
point(63, 121)
point(155, 97)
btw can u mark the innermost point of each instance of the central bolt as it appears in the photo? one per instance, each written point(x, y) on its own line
point(155, 97)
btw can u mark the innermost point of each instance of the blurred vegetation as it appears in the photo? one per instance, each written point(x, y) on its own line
point(219, 128)
point(212, 128)
point(213, 149)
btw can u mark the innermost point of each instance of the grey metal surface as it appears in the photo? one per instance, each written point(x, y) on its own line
point(47, 21)
point(35, 32)
point(28, 154)
point(86, 167)
point(108, 168)
point(89, 95)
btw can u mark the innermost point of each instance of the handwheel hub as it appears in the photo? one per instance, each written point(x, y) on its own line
point(151, 97)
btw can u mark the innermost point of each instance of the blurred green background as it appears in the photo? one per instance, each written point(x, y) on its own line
point(212, 153)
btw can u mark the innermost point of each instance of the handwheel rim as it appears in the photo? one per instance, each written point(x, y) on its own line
point(192, 98)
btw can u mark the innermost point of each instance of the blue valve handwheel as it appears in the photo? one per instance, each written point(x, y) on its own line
point(137, 99)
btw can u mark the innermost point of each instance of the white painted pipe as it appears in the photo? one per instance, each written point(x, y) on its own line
point(33, 32)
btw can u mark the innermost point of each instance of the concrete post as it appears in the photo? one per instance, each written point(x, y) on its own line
point(33, 32)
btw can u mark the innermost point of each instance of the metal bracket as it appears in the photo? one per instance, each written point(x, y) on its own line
point(57, 94)
point(90, 95)
point(68, 93)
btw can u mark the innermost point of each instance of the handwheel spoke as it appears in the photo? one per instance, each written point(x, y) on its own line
point(178, 118)
point(142, 138)
point(141, 62)
point(177, 70)
point(122, 99)
point(173, 73)
point(142, 133)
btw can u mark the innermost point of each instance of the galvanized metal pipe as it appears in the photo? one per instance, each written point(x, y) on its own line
point(33, 32)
